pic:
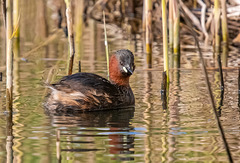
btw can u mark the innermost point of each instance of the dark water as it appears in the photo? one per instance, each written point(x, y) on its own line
point(186, 132)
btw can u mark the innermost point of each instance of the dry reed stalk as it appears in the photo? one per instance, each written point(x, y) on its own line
point(144, 16)
point(79, 27)
point(224, 33)
point(16, 18)
point(176, 38)
point(70, 35)
point(149, 32)
point(217, 26)
point(106, 44)
point(239, 87)
point(9, 57)
point(4, 11)
point(165, 39)
point(170, 23)
point(203, 20)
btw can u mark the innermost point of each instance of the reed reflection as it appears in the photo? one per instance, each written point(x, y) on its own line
point(113, 126)
point(9, 139)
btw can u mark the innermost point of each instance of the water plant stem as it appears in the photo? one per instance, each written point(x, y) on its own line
point(170, 24)
point(70, 36)
point(16, 18)
point(164, 90)
point(176, 42)
point(165, 39)
point(221, 84)
point(9, 57)
point(149, 32)
point(190, 27)
point(239, 87)
point(217, 26)
point(224, 33)
point(79, 28)
point(106, 43)
point(4, 11)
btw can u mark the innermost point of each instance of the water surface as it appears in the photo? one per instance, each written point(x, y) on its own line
point(186, 131)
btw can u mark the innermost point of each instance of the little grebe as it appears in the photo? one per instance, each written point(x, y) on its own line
point(90, 92)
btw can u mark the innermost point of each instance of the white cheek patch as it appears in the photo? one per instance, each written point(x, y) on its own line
point(125, 70)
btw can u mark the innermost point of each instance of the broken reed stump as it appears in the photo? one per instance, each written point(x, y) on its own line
point(164, 90)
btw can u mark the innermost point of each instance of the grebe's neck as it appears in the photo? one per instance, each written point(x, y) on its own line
point(116, 77)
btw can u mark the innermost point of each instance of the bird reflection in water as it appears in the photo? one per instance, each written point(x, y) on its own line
point(89, 126)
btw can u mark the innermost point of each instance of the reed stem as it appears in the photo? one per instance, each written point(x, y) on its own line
point(224, 33)
point(217, 26)
point(70, 36)
point(4, 11)
point(79, 28)
point(164, 91)
point(16, 18)
point(221, 84)
point(149, 32)
point(144, 16)
point(239, 87)
point(9, 57)
point(165, 39)
point(106, 43)
point(170, 23)
point(176, 43)
point(220, 128)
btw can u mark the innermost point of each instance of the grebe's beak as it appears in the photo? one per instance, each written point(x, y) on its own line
point(128, 70)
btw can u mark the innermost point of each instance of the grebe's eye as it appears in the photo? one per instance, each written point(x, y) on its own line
point(121, 63)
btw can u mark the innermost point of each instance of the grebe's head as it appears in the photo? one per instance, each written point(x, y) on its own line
point(121, 66)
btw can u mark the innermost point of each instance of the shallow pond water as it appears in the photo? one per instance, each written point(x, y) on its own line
point(185, 132)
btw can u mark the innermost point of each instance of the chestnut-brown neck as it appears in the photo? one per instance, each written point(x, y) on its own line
point(116, 76)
